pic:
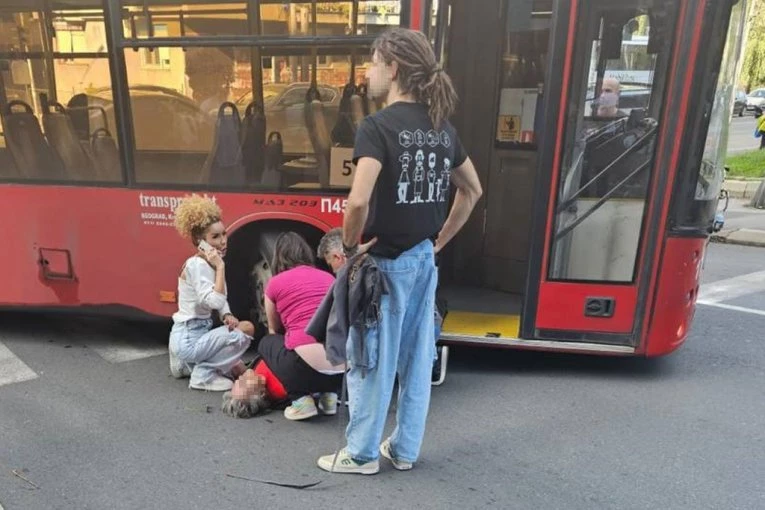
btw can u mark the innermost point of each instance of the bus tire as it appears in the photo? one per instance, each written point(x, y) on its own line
point(261, 273)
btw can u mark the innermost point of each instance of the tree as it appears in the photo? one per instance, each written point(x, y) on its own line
point(753, 70)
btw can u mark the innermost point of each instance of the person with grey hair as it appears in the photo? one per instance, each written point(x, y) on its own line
point(330, 249)
point(248, 397)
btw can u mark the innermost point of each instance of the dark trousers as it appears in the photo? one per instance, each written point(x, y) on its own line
point(297, 377)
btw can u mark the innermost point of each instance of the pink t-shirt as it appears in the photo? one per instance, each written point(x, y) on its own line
point(297, 294)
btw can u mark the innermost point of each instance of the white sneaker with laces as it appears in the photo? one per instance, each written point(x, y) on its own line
point(328, 403)
point(219, 383)
point(398, 464)
point(301, 409)
point(346, 465)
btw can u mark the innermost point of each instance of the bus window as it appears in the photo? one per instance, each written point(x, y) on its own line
point(696, 205)
point(190, 118)
point(716, 145)
point(175, 107)
point(55, 134)
point(278, 18)
point(527, 32)
point(611, 131)
point(21, 27)
point(183, 19)
point(376, 17)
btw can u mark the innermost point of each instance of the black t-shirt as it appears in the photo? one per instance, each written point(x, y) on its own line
point(411, 197)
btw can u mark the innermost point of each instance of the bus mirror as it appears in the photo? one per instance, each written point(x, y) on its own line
point(615, 24)
point(612, 40)
point(659, 32)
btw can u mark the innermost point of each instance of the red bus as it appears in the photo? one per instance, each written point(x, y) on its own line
point(598, 128)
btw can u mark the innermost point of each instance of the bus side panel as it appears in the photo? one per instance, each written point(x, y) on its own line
point(562, 306)
point(675, 303)
point(123, 247)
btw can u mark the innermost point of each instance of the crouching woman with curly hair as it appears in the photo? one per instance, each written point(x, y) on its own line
point(211, 357)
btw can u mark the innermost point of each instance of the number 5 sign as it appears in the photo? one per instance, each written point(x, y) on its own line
point(341, 167)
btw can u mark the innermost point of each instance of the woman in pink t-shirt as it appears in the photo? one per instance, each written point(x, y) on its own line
point(292, 296)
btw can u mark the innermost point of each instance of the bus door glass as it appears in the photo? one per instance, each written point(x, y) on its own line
point(619, 71)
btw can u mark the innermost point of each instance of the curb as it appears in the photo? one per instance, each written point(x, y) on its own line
point(740, 237)
point(740, 188)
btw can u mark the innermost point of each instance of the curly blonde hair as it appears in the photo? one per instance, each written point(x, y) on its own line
point(194, 215)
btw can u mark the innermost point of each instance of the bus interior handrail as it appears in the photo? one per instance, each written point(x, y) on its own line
point(634, 147)
point(605, 198)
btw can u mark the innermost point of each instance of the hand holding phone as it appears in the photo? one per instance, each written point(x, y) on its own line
point(205, 246)
point(210, 254)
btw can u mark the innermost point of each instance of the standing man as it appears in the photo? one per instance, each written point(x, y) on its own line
point(420, 97)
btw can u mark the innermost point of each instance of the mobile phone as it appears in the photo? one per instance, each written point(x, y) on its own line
point(205, 246)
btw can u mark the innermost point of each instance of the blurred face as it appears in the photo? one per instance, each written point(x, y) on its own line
point(217, 237)
point(379, 76)
point(335, 260)
point(248, 385)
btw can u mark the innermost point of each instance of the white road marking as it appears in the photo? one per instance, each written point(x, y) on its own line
point(12, 369)
point(115, 353)
point(733, 307)
point(725, 290)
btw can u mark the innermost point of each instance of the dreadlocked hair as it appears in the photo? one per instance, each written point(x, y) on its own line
point(194, 215)
point(419, 73)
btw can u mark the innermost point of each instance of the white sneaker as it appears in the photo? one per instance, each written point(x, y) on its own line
point(178, 369)
point(220, 383)
point(345, 464)
point(301, 409)
point(398, 464)
point(328, 403)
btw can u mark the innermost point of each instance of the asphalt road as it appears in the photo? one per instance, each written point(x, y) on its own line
point(95, 422)
point(740, 215)
point(741, 135)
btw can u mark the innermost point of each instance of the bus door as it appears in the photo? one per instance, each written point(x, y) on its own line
point(594, 194)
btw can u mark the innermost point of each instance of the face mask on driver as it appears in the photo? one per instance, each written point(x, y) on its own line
point(608, 100)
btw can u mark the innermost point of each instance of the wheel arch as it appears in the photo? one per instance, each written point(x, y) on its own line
point(246, 237)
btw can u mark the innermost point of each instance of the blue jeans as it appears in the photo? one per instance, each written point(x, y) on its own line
point(208, 352)
point(401, 344)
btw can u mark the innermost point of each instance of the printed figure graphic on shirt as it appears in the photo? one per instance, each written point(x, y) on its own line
point(445, 176)
point(431, 176)
point(419, 174)
point(403, 180)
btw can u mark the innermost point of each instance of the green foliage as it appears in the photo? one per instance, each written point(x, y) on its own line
point(753, 70)
point(747, 164)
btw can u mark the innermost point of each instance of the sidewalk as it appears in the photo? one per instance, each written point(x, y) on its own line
point(744, 225)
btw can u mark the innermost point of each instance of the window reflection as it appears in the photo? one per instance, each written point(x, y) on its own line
point(81, 31)
point(59, 136)
point(286, 19)
point(20, 31)
point(183, 19)
point(201, 120)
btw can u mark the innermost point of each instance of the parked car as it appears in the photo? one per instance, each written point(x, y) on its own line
point(165, 120)
point(739, 103)
point(756, 98)
point(284, 108)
